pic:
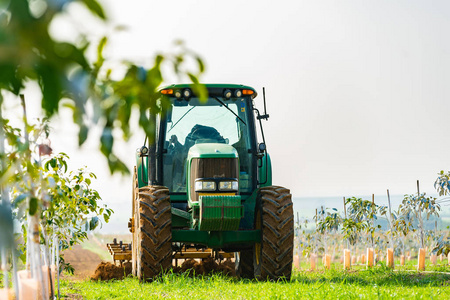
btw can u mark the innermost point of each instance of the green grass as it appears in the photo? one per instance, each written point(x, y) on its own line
point(378, 283)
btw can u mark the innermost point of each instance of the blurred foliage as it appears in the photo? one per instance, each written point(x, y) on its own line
point(41, 184)
point(442, 183)
point(28, 52)
point(6, 225)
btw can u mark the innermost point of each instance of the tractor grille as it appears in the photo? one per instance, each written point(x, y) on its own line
point(212, 168)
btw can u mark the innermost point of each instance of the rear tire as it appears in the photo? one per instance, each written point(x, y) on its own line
point(275, 219)
point(244, 264)
point(154, 232)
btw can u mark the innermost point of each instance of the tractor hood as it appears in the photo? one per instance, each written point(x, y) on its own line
point(212, 150)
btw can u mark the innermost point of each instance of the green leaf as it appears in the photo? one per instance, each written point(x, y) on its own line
point(82, 134)
point(50, 85)
point(101, 46)
point(107, 141)
point(33, 206)
point(93, 223)
point(95, 8)
point(201, 65)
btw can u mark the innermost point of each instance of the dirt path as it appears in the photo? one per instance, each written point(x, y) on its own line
point(84, 262)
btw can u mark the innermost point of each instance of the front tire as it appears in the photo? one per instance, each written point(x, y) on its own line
point(154, 232)
point(275, 219)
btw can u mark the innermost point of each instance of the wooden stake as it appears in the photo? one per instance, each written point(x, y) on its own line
point(29, 289)
point(347, 262)
point(345, 214)
point(421, 260)
point(363, 259)
point(327, 261)
point(433, 259)
point(390, 212)
point(296, 262)
point(418, 189)
point(7, 294)
point(373, 219)
point(390, 258)
point(345, 210)
point(313, 261)
point(402, 260)
point(370, 257)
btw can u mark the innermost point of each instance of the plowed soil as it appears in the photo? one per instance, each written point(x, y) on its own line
point(89, 265)
point(205, 267)
point(108, 271)
point(83, 261)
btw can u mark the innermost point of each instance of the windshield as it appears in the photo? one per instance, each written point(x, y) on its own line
point(215, 121)
point(212, 114)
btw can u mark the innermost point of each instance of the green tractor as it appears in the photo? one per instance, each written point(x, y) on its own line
point(203, 187)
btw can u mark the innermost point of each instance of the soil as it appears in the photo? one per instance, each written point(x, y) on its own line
point(83, 261)
point(206, 266)
point(108, 271)
point(89, 265)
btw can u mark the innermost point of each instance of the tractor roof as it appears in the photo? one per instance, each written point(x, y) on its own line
point(213, 86)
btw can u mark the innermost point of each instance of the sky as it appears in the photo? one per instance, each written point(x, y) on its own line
point(357, 91)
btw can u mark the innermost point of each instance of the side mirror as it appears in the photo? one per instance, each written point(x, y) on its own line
point(261, 150)
point(143, 151)
point(262, 147)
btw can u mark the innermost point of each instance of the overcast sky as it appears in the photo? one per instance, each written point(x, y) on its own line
point(357, 91)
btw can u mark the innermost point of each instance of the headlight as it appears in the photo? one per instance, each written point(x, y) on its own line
point(186, 93)
point(227, 94)
point(205, 186)
point(228, 186)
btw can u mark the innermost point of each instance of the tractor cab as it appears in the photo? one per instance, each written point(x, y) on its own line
point(218, 127)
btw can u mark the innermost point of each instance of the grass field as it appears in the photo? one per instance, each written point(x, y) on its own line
point(378, 283)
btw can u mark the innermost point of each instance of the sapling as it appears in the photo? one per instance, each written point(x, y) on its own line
point(328, 223)
point(359, 220)
point(414, 210)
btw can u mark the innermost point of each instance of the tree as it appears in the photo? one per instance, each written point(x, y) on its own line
point(360, 214)
point(414, 209)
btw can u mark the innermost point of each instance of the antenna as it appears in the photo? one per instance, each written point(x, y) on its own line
point(265, 115)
